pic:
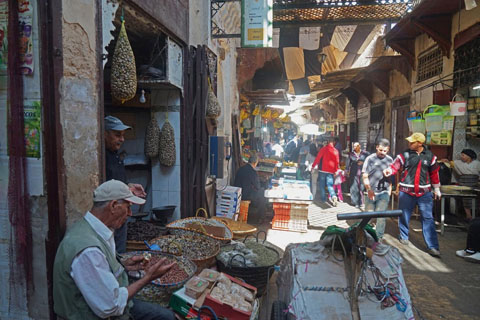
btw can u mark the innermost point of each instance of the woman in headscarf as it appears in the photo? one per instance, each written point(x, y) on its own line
point(466, 165)
point(354, 172)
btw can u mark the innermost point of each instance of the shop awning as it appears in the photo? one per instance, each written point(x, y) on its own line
point(433, 17)
point(268, 97)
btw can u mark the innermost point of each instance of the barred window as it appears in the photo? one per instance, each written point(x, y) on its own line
point(429, 64)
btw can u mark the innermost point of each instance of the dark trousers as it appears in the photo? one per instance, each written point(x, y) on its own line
point(257, 207)
point(356, 191)
point(473, 236)
point(142, 310)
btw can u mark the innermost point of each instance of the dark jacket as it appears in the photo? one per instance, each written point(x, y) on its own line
point(247, 179)
point(420, 171)
point(114, 166)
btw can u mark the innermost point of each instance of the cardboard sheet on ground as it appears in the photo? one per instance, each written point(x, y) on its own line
point(307, 266)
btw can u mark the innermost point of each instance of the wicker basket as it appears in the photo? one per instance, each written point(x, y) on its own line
point(240, 229)
point(255, 276)
point(179, 227)
point(161, 293)
point(190, 246)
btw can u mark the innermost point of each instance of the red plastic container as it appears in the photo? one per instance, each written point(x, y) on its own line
point(225, 310)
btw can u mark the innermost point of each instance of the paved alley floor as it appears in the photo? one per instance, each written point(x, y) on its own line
point(440, 288)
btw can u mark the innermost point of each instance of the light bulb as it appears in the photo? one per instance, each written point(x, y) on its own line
point(142, 97)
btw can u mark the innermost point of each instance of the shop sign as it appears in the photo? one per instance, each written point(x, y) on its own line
point(257, 23)
point(330, 127)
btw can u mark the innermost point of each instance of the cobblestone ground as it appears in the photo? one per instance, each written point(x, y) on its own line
point(445, 288)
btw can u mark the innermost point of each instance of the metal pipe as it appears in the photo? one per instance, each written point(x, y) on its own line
point(369, 215)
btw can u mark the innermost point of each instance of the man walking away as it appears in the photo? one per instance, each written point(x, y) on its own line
point(327, 161)
point(420, 172)
point(378, 186)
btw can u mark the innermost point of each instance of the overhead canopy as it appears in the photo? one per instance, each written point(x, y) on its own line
point(268, 97)
point(433, 17)
point(361, 80)
point(337, 12)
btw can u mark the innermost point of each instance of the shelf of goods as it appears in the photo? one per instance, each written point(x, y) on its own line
point(473, 123)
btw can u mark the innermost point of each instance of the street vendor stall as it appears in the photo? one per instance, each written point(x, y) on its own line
point(291, 199)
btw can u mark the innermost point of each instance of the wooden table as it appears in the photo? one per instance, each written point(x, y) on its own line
point(445, 195)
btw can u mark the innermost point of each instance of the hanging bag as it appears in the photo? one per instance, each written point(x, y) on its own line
point(152, 139)
point(213, 107)
point(167, 153)
point(458, 105)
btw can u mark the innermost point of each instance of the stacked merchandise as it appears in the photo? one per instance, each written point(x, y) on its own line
point(228, 201)
point(290, 217)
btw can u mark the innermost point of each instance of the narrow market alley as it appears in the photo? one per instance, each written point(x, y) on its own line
point(239, 159)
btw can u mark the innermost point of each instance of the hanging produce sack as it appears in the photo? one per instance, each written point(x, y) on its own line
point(213, 107)
point(124, 74)
point(152, 139)
point(167, 153)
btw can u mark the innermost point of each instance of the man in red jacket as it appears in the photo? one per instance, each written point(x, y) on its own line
point(327, 161)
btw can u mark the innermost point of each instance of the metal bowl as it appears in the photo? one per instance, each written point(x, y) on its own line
point(163, 213)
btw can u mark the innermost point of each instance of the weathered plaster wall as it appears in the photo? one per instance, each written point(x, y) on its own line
point(79, 105)
point(399, 85)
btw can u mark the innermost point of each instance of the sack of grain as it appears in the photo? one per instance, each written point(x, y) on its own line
point(152, 139)
point(167, 153)
point(124, 73)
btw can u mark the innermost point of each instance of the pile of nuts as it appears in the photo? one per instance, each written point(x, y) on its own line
point(152, 139)
point(193, 247)
point(174, 275)
point(124, 72)
point(143, 231)
point(167, 153)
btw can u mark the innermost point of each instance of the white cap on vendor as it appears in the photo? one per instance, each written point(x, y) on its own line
point(115, 190)
point(113, 123)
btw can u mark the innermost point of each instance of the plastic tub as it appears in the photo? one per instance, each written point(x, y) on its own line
point(195, 287)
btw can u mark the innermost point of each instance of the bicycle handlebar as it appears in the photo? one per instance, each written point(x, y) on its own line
point(369, 215)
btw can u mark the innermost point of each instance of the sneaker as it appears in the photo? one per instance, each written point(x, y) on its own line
point(334, 201)
point(475, 258)
point(435, 252)
point(464, 253)
point(405, 242)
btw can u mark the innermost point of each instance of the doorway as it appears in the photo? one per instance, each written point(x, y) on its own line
point(400, 129)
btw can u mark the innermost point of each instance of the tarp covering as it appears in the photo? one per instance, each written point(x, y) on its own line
point(314, 284)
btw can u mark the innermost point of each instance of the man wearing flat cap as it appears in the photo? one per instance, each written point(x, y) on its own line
point(115, 168)
point(420, 174)
point(89, 281)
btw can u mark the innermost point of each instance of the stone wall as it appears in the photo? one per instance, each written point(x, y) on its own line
point(79, 106)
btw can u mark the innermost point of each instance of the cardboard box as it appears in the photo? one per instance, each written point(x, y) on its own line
point(184, 305)
point(227, 311)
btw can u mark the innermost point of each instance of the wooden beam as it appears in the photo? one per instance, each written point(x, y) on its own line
point(365, 88)
point(406, 48)
point(439, 28)
point(380, 79)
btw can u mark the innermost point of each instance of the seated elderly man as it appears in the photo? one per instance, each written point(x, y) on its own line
point(89, 282)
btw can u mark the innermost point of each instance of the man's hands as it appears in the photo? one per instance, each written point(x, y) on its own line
point(137, 190)
point(437, 194)
point(387, 172)
point(157, 270)
point(134, 263)
point(371, 194)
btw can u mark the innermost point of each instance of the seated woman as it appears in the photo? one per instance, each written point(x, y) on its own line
point(466, 165)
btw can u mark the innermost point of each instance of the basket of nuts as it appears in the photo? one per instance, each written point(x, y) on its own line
point(160, 290)
point(200, 249)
